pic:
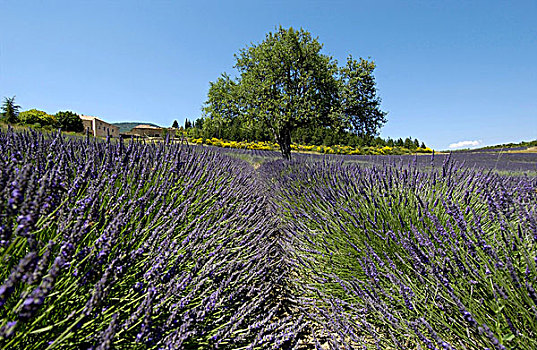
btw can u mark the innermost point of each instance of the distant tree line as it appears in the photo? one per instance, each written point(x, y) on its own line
point(511, 145)
point(65, 120)
point(239, 130)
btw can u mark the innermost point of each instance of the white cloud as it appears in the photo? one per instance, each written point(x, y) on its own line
point(462, 144)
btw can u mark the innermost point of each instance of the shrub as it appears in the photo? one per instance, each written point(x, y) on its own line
point(37, 118)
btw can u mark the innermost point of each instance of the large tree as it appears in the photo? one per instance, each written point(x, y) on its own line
point(69, 121)
point(10, 111)
point(286, 82)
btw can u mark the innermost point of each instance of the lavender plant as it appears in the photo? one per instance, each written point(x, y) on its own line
point(107, 245)
point(164, 246)
point(400, 257)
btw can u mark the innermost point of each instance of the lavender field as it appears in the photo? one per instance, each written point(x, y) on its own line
point(163, 246)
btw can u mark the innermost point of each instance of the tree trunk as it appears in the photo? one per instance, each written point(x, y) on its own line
point(284, 140)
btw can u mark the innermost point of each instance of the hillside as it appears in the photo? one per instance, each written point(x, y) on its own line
point(127, 126)
point(523, 146)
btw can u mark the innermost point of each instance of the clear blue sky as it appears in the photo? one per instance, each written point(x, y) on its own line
point(447, 71)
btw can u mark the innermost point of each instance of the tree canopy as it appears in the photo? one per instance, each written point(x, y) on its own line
point(69, 121)
point(10, 111)
point(360, 104)
point(37, 117)
point(286, 82)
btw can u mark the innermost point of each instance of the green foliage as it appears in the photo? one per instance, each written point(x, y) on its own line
point(10, 111)
point(286, 83)
point(359, 101)
point(408, 143)
point(37, 118)
point(69, 121)
point(175, 124)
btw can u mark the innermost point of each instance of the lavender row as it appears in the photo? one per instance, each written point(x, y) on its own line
point(497, 161)
point(109, 245)
point(402, 256)
point(482, 161)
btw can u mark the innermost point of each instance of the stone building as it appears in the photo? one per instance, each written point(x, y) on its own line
point(98, 127)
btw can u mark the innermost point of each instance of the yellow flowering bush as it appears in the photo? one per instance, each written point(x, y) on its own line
point(424, 150)
point(336, 149)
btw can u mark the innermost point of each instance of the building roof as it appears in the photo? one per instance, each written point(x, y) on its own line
point(145, 126)
point(87, 117)
point(90, 117)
